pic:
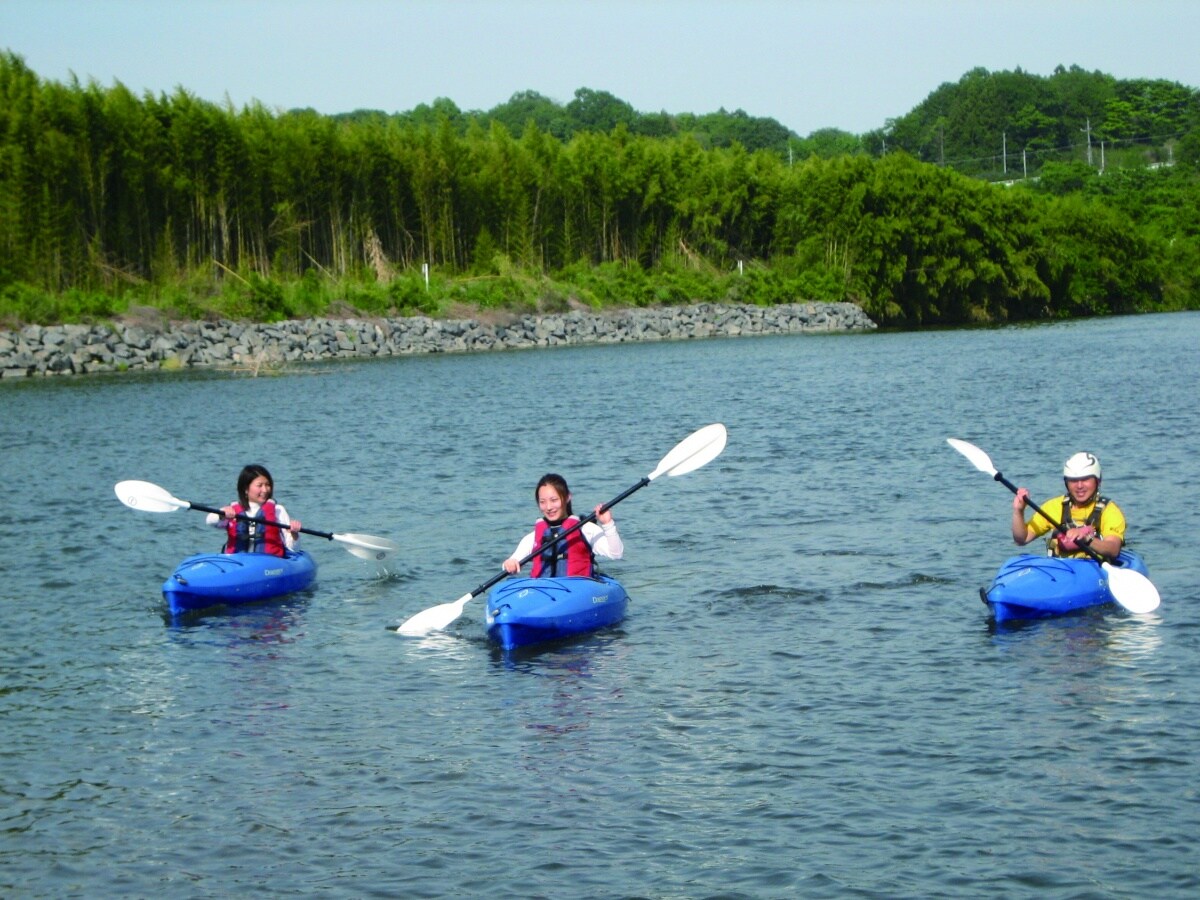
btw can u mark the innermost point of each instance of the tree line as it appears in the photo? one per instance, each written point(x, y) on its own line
point(984, 124)
point(598, 111)
point(158, 197)
point(989, 121)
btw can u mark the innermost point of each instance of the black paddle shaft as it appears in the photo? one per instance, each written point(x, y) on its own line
point(1058, 526)
point(242, 517)
point(590, 517)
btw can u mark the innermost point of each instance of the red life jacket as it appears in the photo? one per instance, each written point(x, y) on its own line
point(251, 537)
point(574, 547)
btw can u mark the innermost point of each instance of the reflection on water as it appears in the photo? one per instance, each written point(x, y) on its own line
point(1103, 635)
point(222, 619)
point(439, 644)
point(571, 653)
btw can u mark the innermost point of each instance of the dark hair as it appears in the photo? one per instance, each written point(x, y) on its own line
point(560, 486)
point(249, 473)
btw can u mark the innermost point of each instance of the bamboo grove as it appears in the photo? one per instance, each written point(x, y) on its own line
point(104, 191)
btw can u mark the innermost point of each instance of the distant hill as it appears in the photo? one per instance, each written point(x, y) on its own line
point(600, 111)
point(986, 123)
point(989, 120)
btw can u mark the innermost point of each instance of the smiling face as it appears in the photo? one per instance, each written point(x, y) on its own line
point(259, 490)
point(552, 504)
point(1082, 489)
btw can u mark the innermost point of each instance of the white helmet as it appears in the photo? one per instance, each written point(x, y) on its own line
point(1082, 465)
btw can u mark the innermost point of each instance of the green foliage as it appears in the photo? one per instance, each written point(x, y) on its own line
point(598, 112)
point(107, 199)
point(995, 123)
point(21, 303)
point(826, 144)
point(1189, 150)
point(1065, 178)
point(265, 300)
point(765, 287)
point(409, 297)
point(531, 109)
point(612, 284)
point(724, 129)
point(493, 292)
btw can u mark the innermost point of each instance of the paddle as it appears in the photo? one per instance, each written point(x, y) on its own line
point(698, 449)
point(1131, 589)
point(151, 498)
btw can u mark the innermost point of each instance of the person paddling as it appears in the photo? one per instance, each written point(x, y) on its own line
point(573, 555)
point(1089, 518)
point(256, 491)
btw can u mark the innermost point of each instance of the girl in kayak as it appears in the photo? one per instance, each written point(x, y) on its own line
point(255, 489)
point(1090, 519)
point(573, 554)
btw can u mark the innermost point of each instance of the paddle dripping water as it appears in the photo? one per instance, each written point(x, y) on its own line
point(696, 450)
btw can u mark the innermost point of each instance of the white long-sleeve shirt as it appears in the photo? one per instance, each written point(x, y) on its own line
point(604, 540)
point(281, 516)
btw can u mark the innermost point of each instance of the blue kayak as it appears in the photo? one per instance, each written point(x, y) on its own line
point(213, 579)
point(523, 611)
point(1034, 587)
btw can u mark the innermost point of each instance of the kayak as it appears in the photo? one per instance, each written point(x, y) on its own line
point(1035, 587)
point(523, 611)
point(213, 579)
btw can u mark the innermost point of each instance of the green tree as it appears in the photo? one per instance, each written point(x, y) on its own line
point(599, 111)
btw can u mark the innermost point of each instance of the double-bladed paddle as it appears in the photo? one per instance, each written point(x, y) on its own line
point(697, 449)
point(151, 498)
point(1131, 589)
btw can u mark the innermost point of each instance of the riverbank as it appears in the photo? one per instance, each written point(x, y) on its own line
point(38, 350)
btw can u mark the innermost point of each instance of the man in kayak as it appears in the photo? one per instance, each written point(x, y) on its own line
point(1090, 520)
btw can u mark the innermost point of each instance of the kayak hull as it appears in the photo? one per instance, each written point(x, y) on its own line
point(213, 579)
point(524, 611)
point(1036, 587)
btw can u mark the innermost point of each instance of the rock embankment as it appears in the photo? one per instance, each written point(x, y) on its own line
point(82, 349)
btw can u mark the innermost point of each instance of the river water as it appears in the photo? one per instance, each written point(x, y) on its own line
point(806, 699)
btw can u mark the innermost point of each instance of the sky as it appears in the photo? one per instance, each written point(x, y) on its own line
point(809, 64)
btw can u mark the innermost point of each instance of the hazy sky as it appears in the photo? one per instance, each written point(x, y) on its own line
point(810, 64)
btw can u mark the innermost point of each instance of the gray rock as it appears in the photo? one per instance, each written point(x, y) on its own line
point(66, 349)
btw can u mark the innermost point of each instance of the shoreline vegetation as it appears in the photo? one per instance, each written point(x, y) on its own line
point(263, 348)
point(111, 202)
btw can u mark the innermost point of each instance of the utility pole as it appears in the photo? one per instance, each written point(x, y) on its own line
point(1004, 151)
point(1089, 138)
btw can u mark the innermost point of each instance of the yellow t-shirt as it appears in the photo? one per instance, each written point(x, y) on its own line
point(1112, 520)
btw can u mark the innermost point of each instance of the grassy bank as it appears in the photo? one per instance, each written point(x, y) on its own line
point(224, 294)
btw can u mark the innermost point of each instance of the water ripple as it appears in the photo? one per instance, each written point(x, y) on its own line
point(806, 699)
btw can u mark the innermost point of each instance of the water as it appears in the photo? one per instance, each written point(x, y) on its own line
point(807, 698)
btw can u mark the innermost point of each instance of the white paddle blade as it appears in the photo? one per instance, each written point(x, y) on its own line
point(978, 458)
point(696, 450)
point(368, 546)
point(1131, 589)
point(147, 497)
point(433, 619)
